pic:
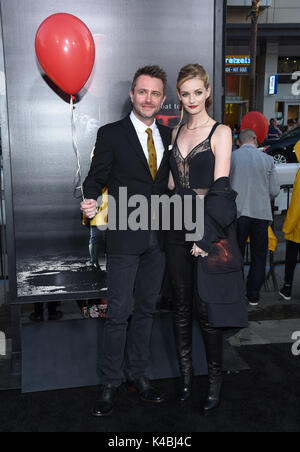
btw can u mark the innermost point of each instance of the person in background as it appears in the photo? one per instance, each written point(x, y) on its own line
point(274, 130)
point(97, 250)
point(291, 229)
point(235, 136)
point(253, 176)
point(285, 129)
point(290, 124)
point(97, 227)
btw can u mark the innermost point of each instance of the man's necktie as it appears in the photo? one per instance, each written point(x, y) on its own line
point(152, 154)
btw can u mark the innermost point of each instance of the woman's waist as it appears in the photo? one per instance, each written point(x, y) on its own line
point(184, 191)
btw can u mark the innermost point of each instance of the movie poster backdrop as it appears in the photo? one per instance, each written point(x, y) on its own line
point(48, 244)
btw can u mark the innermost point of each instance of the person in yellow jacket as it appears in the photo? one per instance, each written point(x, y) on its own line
point(291, 229)
point(98, 234)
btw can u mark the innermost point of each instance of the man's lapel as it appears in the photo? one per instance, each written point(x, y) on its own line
point(165, 136)
point(135, 142)
point(136, 145)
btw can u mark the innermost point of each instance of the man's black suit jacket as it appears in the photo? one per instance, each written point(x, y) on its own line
point(119, 161)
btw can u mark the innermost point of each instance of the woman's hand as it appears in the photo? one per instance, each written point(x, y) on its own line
point(196, 251)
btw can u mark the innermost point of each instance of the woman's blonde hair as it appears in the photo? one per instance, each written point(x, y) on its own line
point(189, 72)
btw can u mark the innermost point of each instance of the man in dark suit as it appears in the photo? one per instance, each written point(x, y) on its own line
point(131, 153)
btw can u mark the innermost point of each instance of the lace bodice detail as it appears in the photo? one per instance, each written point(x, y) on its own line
point(196, 171)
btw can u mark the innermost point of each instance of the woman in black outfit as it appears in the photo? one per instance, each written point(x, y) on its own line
point(209, 271)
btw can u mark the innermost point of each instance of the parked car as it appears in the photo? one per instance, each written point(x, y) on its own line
point(282, 148)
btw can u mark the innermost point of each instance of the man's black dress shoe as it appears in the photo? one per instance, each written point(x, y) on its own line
point(105, 401)
point(145, 391)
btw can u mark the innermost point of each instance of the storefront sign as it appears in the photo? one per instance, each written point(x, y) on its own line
point(237, 64)
point(238, 60)
point(237, 70)
point(273, 84)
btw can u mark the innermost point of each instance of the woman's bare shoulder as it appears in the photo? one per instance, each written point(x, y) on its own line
point(222, 139)
point(223, 130)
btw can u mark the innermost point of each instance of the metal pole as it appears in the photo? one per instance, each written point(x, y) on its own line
point(254, 13)
point(219, 60)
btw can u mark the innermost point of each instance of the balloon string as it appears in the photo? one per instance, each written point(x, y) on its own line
point(78, 176)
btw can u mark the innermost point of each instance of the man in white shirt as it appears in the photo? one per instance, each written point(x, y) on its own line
point(131, 153)
point(143, 137)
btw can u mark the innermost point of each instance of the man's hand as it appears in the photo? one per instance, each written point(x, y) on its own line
point(89, 208)
point(196, 251)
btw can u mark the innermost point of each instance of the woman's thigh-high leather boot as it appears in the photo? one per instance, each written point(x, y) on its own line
point(183, 328)
point(213, 342)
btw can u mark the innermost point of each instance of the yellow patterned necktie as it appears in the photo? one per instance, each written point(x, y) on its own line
point(152, 154)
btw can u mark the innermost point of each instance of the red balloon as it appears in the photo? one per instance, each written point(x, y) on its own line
point(65, 49)
point(257, 122)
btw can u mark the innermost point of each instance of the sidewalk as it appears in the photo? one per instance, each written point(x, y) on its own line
point(274, 320)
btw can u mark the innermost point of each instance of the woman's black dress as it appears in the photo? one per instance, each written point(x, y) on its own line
point(220, 287)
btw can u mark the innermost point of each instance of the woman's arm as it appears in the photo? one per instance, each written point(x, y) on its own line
point(222, 148)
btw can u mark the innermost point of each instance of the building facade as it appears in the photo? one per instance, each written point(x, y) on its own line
point(278, 60)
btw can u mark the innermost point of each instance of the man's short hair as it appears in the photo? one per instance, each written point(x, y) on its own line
point(247, 136)
point(152, 71)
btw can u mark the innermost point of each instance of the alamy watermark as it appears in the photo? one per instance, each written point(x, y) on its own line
point(2, 344)
point(157, 212)
point(296, 345)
